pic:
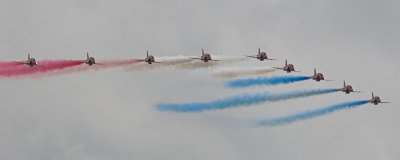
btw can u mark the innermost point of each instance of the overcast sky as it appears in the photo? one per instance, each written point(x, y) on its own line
point(110, 114)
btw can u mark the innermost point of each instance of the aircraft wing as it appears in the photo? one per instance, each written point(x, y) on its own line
point(252, 56)
point(195, 58)
point(215, 60)
point(386, 102)
point(277, 68)
point(271, 59)
point(22, 62)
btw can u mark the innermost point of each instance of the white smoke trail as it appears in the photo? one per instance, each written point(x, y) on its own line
point(234, 72)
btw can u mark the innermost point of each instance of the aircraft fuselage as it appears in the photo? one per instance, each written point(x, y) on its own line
point(289, 68)
point(206, 57)
point(149, 59)
point(262, 56)
point(347, 89)
point(90, 61)
point(318, 77)
point(376, 100)
point(31, 62)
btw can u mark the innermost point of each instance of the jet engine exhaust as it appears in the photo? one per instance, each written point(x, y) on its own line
point(44, 66)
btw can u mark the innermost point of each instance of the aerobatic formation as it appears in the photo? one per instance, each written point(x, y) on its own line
point(33, 67)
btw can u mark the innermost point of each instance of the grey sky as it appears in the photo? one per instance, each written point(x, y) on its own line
point(110, 115)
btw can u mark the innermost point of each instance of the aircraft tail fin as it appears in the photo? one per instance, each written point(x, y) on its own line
point(315, 71)
point(87, 55)
point(147, 53)
point(344, 83)
point(29, 56)
point(259, 50)
point(373, 95)
point(202, 52)
point(285, 62)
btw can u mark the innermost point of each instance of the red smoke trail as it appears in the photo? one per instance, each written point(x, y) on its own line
point(43, 66)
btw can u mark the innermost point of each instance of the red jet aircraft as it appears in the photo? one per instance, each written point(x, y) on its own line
point(90, 60)
point(376, 100)
point(205, 57)
point(348, 88)
point(30, 62)
point(288, 67)
point(261, 56)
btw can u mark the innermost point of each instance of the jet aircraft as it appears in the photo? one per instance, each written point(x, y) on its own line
point(150, 59)
point(317, 76)
point(288, 67)
point(348, 88)
point(376, 100)
point(90, 60)
point(30, 62)
point(205, 57)
point(261, 56)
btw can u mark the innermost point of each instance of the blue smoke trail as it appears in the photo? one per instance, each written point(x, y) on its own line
point(266, 81)
point(310, 114)
point(241, 100)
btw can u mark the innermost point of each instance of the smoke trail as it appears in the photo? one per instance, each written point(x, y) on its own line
point(117, 63)
point(43, 66)
point(310, 114)
point(196, 64)
point(233, 72)
point(266, 81)
point(100, 66)
point(241, 100)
